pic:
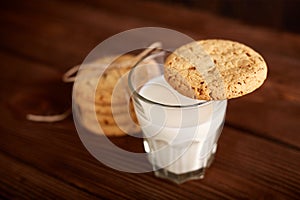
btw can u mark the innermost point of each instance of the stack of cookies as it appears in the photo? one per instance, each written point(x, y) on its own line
point(101, 96)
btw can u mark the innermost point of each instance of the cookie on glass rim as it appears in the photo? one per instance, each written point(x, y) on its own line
point(215, 69)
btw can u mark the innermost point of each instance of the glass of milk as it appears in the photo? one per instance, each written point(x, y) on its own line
point(180, 134)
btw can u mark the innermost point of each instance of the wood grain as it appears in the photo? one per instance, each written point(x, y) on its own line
point(22, 181)
point(259, 150)
point(277, 55)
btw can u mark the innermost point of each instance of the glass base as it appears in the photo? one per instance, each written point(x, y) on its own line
point(181, 178)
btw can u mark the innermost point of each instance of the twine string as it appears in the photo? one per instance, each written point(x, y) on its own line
point(70, 76)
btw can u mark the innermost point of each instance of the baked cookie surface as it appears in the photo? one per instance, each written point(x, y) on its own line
point(215, 69)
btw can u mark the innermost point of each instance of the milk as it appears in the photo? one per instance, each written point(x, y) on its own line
point(178, 139)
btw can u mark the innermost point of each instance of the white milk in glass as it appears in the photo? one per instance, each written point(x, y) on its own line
point(181, 138)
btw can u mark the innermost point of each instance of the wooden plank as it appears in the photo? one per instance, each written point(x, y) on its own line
point(263, 162)
point(244, 163)
point(274, 65)
point(60, 37)
point(81, 170)
point(274, 109)
point(201, 24)
point(257, 110)
point(116, 20)
point(246, 166)
point(278, 97)
point(21, 181)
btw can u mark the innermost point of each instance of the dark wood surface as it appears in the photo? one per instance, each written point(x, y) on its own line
point(259, 149)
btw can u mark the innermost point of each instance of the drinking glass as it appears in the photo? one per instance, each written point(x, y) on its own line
point(180, 134)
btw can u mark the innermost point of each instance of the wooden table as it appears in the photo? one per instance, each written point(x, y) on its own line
point(259, 149)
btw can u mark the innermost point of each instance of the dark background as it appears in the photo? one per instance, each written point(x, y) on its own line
point(282, 15)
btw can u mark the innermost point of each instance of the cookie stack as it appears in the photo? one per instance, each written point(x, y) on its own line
point(101, 96)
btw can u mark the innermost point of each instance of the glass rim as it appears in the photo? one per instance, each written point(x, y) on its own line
point(136, 94)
